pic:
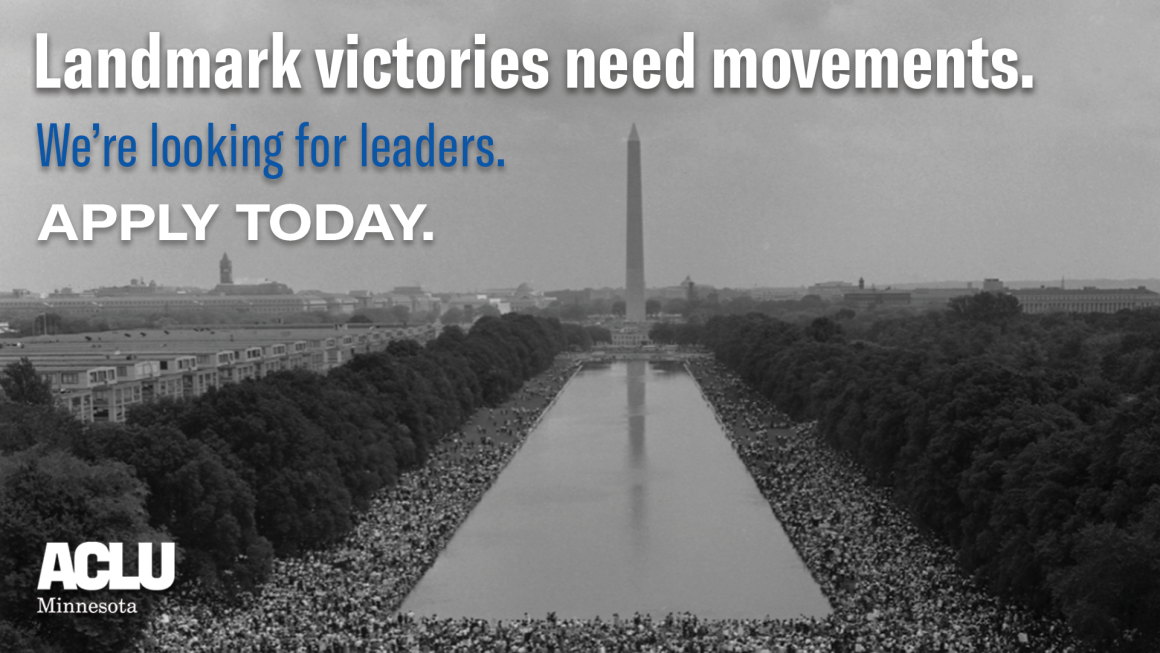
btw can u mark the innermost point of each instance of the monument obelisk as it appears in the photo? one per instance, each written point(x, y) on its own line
point(634, 281)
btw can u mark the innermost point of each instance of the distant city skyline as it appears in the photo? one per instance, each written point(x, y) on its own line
point(259, 276)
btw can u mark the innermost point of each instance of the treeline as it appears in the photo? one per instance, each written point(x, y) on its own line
point(1031, 444)
point(577, 306)
point(245, 472)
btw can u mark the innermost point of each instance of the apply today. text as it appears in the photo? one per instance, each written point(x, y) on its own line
point(142, 216)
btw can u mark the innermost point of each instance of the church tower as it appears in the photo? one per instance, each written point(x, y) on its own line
point(227, 270)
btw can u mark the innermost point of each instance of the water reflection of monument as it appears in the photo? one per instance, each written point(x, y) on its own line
point(636, 410)
point(636, 453)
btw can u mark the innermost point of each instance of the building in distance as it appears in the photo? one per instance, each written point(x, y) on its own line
point(1085, 300)
point(263, 297)
point(521, 298)
point(863, 298)
point(781, 294)
point(938, 297)
point(99, 376)
point(831, 291)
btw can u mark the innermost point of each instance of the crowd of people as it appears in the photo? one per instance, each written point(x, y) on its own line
point(891, 588)
point(342, 598)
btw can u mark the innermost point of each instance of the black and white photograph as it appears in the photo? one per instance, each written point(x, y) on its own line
point(796, 326)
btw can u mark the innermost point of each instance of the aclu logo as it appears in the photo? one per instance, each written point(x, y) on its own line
point(72, 570)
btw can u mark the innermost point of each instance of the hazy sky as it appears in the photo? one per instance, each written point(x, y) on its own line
point(740, 188)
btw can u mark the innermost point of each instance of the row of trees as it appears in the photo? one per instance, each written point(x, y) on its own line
point(576, 306)
point(573, 307)
point(243, 473)
point(1031, 444)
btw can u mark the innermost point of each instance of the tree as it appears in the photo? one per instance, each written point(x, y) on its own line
point(676, 306)
point(811, 301)
point(599, 334)
point(572, 312)
point(195, 496)
point(277, 463)
point(741, 305)
point(359, 318)
point(652, 307)
point(823, 329)
point(662, 332)
point(687, 334)
point(488, 310)
point(1115, 585)
point(23, 385)
point(376, 315)
point(27, 425)
point(578, 337)
point(52, 496)
point(453, 315)
point(989, 307)
point(401, 313)
point(618, 307)
point(1026, 443)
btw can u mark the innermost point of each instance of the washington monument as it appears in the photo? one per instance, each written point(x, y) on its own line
point(634, 282)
